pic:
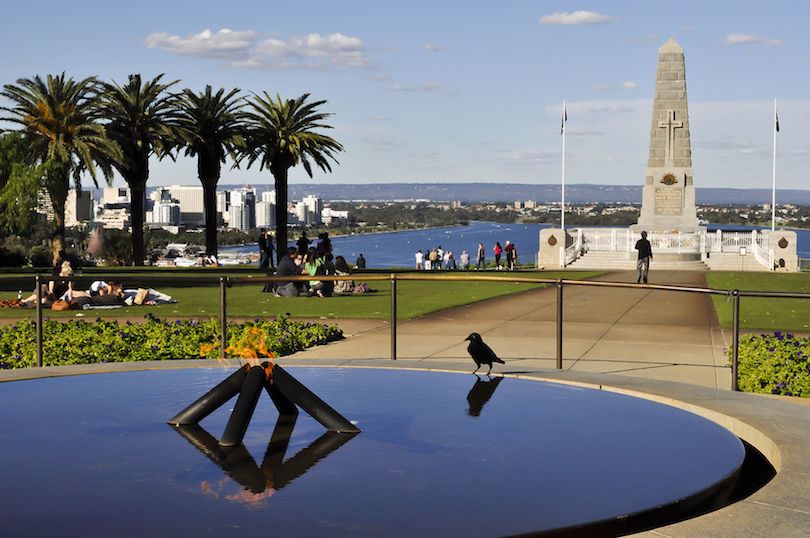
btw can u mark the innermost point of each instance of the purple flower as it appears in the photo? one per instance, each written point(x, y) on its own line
point(770, 349)
point(779, 336)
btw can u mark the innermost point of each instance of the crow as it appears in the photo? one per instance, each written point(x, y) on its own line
point(481, 353)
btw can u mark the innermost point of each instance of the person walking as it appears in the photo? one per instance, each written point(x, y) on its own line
point(481, 257)
point(645, 256)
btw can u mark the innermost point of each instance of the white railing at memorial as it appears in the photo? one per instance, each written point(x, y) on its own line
point(762, 254)
point(581, 240)
point(573, 249)
point(618, 240)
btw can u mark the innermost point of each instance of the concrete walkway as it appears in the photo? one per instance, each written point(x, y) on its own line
point(646, 333)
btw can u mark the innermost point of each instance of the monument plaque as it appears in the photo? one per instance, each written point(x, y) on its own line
point(668, 197)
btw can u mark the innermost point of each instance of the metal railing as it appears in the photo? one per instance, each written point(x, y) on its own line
point(393, 278)
point(623, 240)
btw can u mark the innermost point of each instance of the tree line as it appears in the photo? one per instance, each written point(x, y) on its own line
point(67, 129)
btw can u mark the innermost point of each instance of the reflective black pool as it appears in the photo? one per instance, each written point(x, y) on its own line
point(440, 454)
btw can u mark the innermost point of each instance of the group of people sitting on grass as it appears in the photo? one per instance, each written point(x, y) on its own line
point(315, 263)
point(61, 294)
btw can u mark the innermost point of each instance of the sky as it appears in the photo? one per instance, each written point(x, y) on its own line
point(456, 92)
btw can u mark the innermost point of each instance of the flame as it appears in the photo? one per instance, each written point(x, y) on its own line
point(251, 346)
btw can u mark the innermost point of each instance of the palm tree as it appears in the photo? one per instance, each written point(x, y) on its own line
point(216, 127)
point(60, 120)
point(281, 135)
point(143, 120)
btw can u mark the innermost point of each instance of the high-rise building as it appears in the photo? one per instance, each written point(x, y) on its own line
point(242, 213)
point(314, 207)
point(265, 214)
point(165, 209)
point(192, 204)
point(78, 207)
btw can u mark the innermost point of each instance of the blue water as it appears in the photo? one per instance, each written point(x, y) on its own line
point(397, 249)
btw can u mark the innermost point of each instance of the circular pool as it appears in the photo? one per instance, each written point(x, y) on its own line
point(439, 454)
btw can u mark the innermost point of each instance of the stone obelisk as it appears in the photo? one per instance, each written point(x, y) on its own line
point(668, 202)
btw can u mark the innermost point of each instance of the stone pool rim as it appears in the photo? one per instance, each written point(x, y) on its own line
point(778, 428)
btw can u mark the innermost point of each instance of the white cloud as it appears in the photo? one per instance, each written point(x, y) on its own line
point(623, 86)
point(243, 49)
point(427, 87)
point(381, 118)
point(223, 44)
point(432, 48)
point(577, 17)
point(738, 39)
point(379, 76)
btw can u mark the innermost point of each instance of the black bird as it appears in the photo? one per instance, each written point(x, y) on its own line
point(481, 353)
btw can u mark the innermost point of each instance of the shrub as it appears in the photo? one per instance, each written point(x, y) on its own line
point(774, 364)
point(10, 258)
point(81, 342)
point(41, 256)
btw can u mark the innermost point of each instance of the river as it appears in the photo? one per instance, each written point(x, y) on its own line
point(397, 249)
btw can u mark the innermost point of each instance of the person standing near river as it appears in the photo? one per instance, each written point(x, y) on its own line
point(303, 243)
point(419, 259)
point(510, 256)
point(481, 257)
point(498, 250)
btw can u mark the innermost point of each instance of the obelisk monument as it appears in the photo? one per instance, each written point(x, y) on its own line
point(668, 197)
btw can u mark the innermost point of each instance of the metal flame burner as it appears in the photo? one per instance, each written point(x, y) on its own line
point(439, 454)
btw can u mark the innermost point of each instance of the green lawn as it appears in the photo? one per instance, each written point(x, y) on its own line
point(196, 298)
point(760, 313)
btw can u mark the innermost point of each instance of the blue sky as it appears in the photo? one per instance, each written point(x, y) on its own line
point(435, 91)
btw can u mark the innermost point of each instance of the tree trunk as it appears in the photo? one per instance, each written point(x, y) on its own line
point(58, 191)
point(280, 175)
point(138, 195)
point(208, 171)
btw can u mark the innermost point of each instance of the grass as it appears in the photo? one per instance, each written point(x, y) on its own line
point(197, 299)
point(762, 313)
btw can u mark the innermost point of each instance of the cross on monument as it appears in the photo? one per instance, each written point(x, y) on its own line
point(670, 125)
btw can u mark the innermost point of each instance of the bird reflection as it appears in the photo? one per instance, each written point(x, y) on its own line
point(274, 473)
point(480, 394)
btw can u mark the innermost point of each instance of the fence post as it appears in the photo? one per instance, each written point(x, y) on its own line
point(38, 283)
point(223, 316)
point(559, 323)
point(393, 316)
point(736, 335)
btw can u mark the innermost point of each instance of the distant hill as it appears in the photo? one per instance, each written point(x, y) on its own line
point(511, 192)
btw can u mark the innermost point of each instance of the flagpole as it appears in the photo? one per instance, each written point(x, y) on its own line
point(773, 199)
point(562, 206)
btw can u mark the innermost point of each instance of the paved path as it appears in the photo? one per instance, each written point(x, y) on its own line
point(646, 333)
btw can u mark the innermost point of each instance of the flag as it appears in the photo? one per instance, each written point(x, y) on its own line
point(776, 120)
point(565, 118)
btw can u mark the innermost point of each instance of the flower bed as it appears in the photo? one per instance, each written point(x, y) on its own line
point(774, 364)
point(82, 342)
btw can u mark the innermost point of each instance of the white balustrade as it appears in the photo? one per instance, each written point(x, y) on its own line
point(581, 240)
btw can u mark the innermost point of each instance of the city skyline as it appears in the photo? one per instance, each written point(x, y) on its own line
point(451, 93)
